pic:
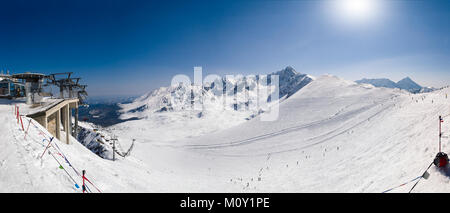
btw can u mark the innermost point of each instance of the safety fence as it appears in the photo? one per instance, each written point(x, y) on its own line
point(53, 149)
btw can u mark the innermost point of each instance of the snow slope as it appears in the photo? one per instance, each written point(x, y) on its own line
point(380, 82)
point(332, 135)
point(23, 170)
point(163, 110)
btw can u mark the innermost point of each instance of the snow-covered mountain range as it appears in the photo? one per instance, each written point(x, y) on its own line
point(332, 135)
point(166, 108)
point(405, 84)
point(213, 95)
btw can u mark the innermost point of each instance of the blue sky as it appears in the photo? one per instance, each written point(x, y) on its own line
point(131, 47)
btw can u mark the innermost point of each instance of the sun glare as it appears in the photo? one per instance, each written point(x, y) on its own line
point(356, 7)
point(357, 10)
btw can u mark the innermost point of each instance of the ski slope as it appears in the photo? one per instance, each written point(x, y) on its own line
point(332, 135)
point(165, 115)
point(23, 170)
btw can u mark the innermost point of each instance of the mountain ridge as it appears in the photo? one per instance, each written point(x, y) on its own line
point(406, 84)
point(212, 95)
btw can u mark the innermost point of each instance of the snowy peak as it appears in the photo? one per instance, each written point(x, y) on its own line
point(405, 84)
point(408, 84)
point(212, 95)
point(291, 81)
point(287, 72)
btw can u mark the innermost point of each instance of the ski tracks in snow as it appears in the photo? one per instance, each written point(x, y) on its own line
point(334, 133)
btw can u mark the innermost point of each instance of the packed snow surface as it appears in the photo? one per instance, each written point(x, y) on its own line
point(332, 135)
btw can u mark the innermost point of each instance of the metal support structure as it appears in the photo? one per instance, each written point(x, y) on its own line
point(114, 149)
point(440, 132)
point(61, 92)
point(114, 139)
point(69, 84)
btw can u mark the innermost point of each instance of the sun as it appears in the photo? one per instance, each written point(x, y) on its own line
point(357, 7)
point(357, 10)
